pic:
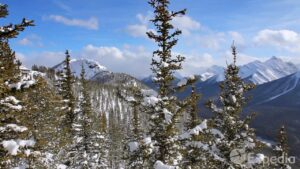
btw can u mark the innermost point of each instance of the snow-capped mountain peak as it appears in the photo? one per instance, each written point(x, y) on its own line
point(215, 72)
point(91, 67)
point(257, 72)
point(272, 69)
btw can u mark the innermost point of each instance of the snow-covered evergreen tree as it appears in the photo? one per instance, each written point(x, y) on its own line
point(15, 138)
point(66, 90)
point(137, 150)
point(103, 141)
point(281, 150)
point(88, 148)
point(65, 86)
point(11, 30)
point(236, 136)
point(43, 119)
point(165, 110)
point(116, 134)
point(196, 138)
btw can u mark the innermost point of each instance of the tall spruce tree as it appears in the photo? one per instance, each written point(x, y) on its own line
point(43, 119)
point(136, 153)
point(15, 138)
point(166, 111)
point(281, 150)
point(116, 135)
point(237, 136)
point(67, 91)
point(65, 85)
point(195, 139)
point(103, 141)
point(87, 149)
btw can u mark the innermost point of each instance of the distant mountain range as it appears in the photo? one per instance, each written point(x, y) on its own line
point(276, 99)
point(97, 72)
point(257, 72)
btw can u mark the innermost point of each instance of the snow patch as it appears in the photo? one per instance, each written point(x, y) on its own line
point(133, 146)
point(61, 166)
point(161, 165)
point(195, 131)
point(13, 146)
point(13, 127)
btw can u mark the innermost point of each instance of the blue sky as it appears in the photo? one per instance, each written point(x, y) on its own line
point(112, 32)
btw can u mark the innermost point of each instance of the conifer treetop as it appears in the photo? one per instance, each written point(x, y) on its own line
point(164, 66)
point(11, 30)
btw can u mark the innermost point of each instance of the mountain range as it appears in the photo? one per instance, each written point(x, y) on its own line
point(276, 98)
point(257, 72)
point(97, 72)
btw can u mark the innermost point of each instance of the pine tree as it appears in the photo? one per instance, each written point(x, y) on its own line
point(165, 113)
point(193, 116)
point(43, 119)
point(195, 137)
point(116, 135)
point(137, 153)
point(12, 30)
point(281, 150)
point(65, 86)
point(103, 141)
point(9, 70)
point(236, 136)
point(15, 138)
point(89, 149)
point(67, 91)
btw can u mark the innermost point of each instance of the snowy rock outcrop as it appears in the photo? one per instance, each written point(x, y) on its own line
point(91, 67)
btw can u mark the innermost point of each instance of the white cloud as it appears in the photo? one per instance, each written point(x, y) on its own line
point(103, 51)
point(62, 5)
point(196, 63)
point(281, 39)
point(144, 19)
point(20, 56)
point(24, 41)
point(242, 58)
point(132, 60)
point(91, 23)
point(31, 40)
point(294, 60)
point(45, 58)
point(237, 38)
point(140, 29)
point(137, 30)
point(209, 40)
point(186, 24)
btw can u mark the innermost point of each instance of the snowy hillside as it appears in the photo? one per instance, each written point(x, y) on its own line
point(281, 89)
point(257, 72)
point(272, 69)
point(91, 67)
